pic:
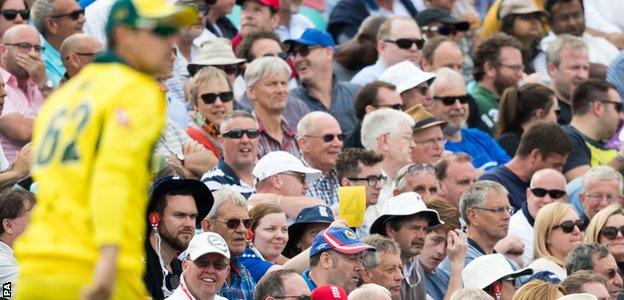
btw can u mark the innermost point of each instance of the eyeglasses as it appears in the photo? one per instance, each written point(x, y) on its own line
point(599, 197)
point(610, 273)
point(210, 98)
point(25, 47)
point(238, 133)
point(498, 210)
point(283, 55)
point(11, 14)
point(301, 176)
point(217, 264)
point(228, 69)
point(397, 106)
point(407, 43)
point(74, 15)
point(568, 226)
point(610, 232)
point(432, 142)
point(301, 297)
point(450, 100)
point(234, 223)
point(515, 68)
point(302, 50)
point(328, 138)
point(619, 106)
point(555, 194)
point(86, 53)
point(371, 180)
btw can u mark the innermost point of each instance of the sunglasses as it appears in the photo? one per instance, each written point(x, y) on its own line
point(397, 106)
point(555, 194)
point(164, 30)
point(610, 274)
point(610, 232)
point(407, 43)
point(328, 138)
point(234, 223)
point(238, 133)
point(300, 176)
point(210, 98)
point(568, 226)
point(11, 14)
point(228, 69)
point(302, 50)
point(74, 15)
point(619, 106)
point(218, 265)
point(450, 100)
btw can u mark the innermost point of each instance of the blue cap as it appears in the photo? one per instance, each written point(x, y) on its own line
point(313, 37)
point(546, 276)
point(309, 215)
point(340, 239)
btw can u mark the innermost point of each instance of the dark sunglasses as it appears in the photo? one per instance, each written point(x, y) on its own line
point(610, 232)
point(619, 106)
point(568, 226)
point(610, 274)
point(210, 98)
point(328, 138)
point(283, 55)
point(238, 133)
point(219, 264)
point(11, 14)
point(228, 69)
point(234, 223)
point(164, 30)
point(450, 100)
point(300, 176)
point(407, 43)
point(555, 194)
point(301, 297)
point(398, 106)
point(302, 50)
point(74, 15)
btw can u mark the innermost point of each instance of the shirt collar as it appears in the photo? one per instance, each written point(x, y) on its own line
point(527, 215)
point(5, 248)
point(227, 170)
point(286, 129)
point(473, 243)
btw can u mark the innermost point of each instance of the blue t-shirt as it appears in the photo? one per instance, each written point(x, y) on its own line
point(485, 152)
point(437, 283)
point(256, 266)
point(514, 185)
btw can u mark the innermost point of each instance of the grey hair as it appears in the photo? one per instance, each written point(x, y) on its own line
point(446, 77)
point(602, 173)
point(401, 178)
point(306, 124)
point(41, 10)
point(232, 115)
point(380, 122)
point(383, 244)
point(265, 66)
point(369, 291)
point(582, 257)
point(477, 194)
point(563, 41)
point(470, 293)
point(272, 284)
point(222, 196)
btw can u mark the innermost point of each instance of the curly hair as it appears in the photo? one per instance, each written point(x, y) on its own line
point(489, 51)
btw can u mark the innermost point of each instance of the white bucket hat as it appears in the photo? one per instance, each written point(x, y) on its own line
point(487, 269)
point(405, 204)
point(406, 75)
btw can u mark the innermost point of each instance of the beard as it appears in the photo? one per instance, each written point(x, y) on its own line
point(501, 83)
point(171, 239)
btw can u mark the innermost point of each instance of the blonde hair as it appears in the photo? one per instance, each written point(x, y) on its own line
point(537, 289)
point(206, 74)
point(592, 233)
point(548, 216)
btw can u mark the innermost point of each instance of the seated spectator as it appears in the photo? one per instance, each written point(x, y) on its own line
point(217, 52)
point(519, 109)
point(292, 23)
point(450, 103)
point(442, 240)
point(411, 83)
point(538, 289)
point(493, 274)
point(601, 187)
point(547, 186)
point(270, 235)
point(435, 22)
point(78, 50)
point(455, 173)
point(15, 208)
point(595, 257)
point(217, 21)
point(256, 15)
point(211, 98)
point(282, 284)
point(383, 267)
point(544, 145)
point(607, 228)
point(419, 178)
point(557, 232)
point(358, 52)
point(204, 250)
point(428, 136)
point(308, 223)
point(239, 138)
point(585, 281)
point(370, 291)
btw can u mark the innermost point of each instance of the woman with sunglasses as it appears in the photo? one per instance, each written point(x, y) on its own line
point(211, 97)
point(268, 236)
point(557, 232)
point(519, 109)
point(607, 228)
point(13, 12)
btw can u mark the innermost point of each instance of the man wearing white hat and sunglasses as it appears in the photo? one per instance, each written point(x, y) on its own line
point(494, 274)
point(411, 83)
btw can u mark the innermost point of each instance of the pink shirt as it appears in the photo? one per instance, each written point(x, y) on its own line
point(25, 103)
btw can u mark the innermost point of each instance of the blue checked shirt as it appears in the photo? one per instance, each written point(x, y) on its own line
point(241, 285)
point(325, 187)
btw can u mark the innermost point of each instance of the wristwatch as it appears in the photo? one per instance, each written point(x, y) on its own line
point(48, 85)
point(180, 157)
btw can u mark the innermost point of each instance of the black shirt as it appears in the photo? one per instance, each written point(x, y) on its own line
point(564, 115)
point(153, 277)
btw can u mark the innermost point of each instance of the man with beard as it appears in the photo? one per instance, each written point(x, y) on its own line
point(176, 208)
point(497, 66)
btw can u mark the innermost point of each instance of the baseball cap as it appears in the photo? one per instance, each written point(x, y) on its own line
point(580, 296)
point(546, 276)
point(328, 292)
point(423, 118)
point(314, 214)
point(406, 75)
point(312, 37)
point(487, 269)
point(405, 204)
point(158, 15)
point(518, 7)
point(214, 52)
point(207, 242)
point(201, 194)
point(428, 16)
point(340, 239)
point(281, 161)
point(275, 4)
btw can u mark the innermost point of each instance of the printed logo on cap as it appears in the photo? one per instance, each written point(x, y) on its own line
point(323, 211)
point(216, 242)
point(350, 234)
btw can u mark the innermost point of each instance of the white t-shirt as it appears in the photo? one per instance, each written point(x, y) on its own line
point(8, 271)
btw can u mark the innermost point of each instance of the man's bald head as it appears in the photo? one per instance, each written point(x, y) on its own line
point(17, 31)
point(551, 175)
point(78, 50)
point(77, 43)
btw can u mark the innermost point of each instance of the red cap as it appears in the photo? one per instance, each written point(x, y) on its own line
point(275, 4)
point(328, 292)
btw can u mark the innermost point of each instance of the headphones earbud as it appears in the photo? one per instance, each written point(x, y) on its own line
point(497, 289)
point(154, 219)
point(250, 235)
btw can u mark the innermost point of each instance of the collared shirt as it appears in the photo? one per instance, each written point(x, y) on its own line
point(153, 276)
point(183, 293)
point(96, 16)
point(325, 187)
point(413, 286)
point(308, 280)
point(369, 74)
point(8, 270)
point(297, 25)
point(253, 261)
point(488, 107)
point(268, 144)
point(172, 139)
point(341, 104)
point(53, 63)
point(241, 285)
point(222, 176)
point(437, 283)
point(521, 225)
point(25, 103)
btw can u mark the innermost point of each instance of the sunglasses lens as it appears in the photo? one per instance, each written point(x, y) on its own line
point(556, 194)
point(328, 138)
point(226, 96)
point(234, 134)
point(567, 226)
point(160, 30)
point(10, 14)
point(609, 232)
point(252, 133)
point(341, 137)
point(209, 98)
point(247, 223)
point(538, 192)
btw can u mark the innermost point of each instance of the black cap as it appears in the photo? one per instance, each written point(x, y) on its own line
point(428, 16)
point(201, 194)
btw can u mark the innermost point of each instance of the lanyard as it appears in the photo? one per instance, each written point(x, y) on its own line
point(186, 291)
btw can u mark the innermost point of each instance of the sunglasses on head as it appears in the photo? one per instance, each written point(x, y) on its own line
point(234, 223)
point(407, 43)
point(555, 194)
point(610, 232)
point(328, 138)
point(238, 133)
point(11, 14)
point(217, 264)
point(568, 226)
point(302, 50)
point(450, 100)
point(74, 15)
point(210, 98)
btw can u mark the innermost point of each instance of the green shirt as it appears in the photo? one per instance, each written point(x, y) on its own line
point(488, 107)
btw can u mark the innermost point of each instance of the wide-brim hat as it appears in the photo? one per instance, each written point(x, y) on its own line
point(487, 269)
point(423, 119)
point(428, 16)
point(406, 75)
point(404, 205)
point(202, 195)
point(214, 52)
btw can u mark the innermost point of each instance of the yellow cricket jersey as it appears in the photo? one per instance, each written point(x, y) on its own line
point(92, 144)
